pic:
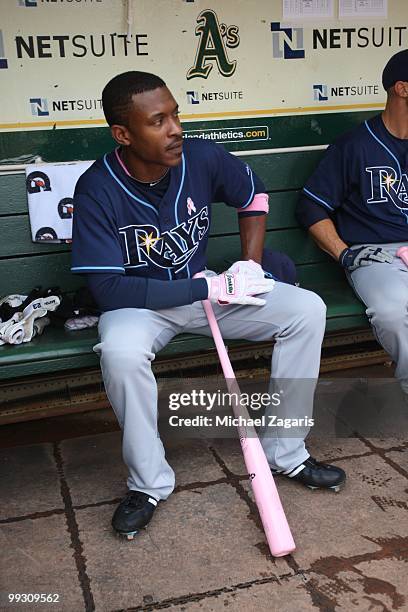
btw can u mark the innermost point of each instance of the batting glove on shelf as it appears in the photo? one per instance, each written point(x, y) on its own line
point(351, 259)
point(24, 323)
point(238, 288)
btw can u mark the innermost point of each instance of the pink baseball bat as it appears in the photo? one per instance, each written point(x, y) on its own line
point(266, 495)
point(402, 253)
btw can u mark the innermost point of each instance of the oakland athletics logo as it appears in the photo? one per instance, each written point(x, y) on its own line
point(214, 38)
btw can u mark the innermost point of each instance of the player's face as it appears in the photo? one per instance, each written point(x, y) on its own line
point(154, 130)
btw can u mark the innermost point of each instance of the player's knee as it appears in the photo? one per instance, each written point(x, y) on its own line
point(123, 357)
point(390, 314)
point(313, 308)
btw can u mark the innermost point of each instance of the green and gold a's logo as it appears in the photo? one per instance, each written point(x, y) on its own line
point(214, 39)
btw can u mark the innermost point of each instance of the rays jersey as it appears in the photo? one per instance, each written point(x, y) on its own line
point(117, 229)
point(362, 184)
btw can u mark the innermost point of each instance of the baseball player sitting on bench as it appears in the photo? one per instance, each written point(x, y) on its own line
point(142, 215)
point(355, 206)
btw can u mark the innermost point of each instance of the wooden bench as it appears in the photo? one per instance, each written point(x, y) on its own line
point(24, 265)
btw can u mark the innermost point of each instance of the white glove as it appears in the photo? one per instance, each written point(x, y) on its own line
point(249, 268)
point(35, 310)
point(237, 288)
point(12, 331)
point(22, 326)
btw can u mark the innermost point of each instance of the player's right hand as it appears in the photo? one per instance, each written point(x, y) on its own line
point(351, 259)
point(237, 288)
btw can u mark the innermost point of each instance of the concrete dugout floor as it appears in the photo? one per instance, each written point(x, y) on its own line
point(204, 550)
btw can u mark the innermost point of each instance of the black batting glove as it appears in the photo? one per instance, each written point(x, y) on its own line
point(351, 259)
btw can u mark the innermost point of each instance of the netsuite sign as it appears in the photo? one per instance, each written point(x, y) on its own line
point(322, 92)
point(40, 107)
point(352, 38)
point(289, 43)
point(80, 45)
point(194, 97)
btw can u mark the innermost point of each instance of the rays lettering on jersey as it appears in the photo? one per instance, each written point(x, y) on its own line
point(388, 187)
point(172, 249)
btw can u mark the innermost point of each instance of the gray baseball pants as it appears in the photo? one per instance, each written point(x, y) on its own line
point(383, 288)
point(131, 337)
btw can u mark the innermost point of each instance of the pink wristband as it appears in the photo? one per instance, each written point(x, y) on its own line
point(259, 203)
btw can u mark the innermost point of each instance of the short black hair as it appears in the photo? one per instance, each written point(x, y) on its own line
point(396, 69)
point(117, 94)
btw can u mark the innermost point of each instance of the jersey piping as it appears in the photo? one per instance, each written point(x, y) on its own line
point(98, 268)
point(315, 197)
point(251, 197)
point(125, 189)
point(383, 145)
point(183, 173)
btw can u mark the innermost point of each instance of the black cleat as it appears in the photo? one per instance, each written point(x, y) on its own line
point(316, 475)
point(133, 513)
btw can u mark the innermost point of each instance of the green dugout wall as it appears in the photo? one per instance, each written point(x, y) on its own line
point(241, 74)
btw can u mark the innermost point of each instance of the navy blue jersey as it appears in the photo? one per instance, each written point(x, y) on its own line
point(117, 229)
point(361, 183)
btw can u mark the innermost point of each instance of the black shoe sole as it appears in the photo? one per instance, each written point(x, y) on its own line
point(128, 535)
point(335, 488)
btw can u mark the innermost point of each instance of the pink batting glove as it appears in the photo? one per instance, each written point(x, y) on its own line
point(402, 253)
point(247, 267)
point(238, 288)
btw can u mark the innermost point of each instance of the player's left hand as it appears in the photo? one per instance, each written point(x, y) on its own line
point(351, 259)
point(249, 268)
